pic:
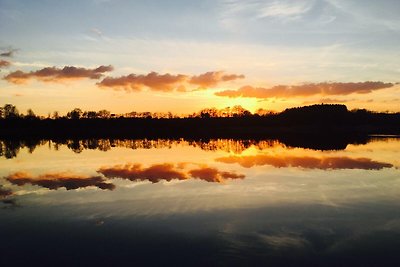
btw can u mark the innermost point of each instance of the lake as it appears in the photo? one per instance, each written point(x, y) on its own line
point(219, 202)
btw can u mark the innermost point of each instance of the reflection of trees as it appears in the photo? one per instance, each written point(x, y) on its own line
point(10, 148)
point(231, 145)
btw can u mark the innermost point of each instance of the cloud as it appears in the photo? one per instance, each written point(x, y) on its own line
point(213, 78)
point(166, 82)
point(284, 9)
point(8, 53)
point(4, 63)
point(166, 172)
point(326, 88)
point(55, 181)
point(323, 163)
point(133, 82)
point(97, 32)
point(53, 74)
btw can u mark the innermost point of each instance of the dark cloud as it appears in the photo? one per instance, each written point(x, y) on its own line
point(53, 74)
point(306, 162)
point(54, 181)
point(213, 78)
point(132, 82)
point(4, 63)
point(8, 53)
point(284, 91)
point(166, 172)
point(166, 82)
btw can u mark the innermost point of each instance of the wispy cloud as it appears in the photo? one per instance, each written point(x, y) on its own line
point(284, 11)
point(8, 52)
point(285, 91)
point(54, 74)
point(167, 82)
point(55, 181)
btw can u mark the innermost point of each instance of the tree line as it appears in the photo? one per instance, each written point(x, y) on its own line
point(9, 111)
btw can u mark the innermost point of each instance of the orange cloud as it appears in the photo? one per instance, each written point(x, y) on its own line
point(53, 74)
point(166, 172)
point(153, 80)
point(214, 175)
point(4, 63)
point(135, 172)
point(306, 162)
point(54, 181)
point(166, 82)
point(284, 91)
point(213, 78)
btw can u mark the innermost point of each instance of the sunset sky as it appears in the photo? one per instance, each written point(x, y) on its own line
point(182, 56)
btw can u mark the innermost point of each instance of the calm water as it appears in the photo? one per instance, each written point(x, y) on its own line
point(192, 203)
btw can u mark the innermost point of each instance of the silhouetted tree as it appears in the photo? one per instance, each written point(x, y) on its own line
point(30, 114)
point(103, 114)
point(56, 115)
point(239, 111)
point(89, 114)
point(75, 114)
point(10, 111)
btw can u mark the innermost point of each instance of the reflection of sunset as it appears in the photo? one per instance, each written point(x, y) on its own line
point(324, 163)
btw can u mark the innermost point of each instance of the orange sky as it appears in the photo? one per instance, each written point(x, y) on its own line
point(183, 57)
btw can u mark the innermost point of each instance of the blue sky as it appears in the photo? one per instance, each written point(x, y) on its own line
point(270, 42)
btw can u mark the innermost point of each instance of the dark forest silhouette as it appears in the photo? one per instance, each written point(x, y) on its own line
point(300, 123)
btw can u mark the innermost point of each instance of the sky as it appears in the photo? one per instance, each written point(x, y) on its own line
point(183, 56)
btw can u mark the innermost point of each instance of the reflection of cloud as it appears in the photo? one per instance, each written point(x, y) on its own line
point(4, 63)
point(306, 162)
point(53, 74)
point(133, 172)
point(5, 192)
point(283, 91)
point(167, 172)
point(212, 78)
point(166, 82)
point(54, 181)
point(214, 175)
point(284, 241)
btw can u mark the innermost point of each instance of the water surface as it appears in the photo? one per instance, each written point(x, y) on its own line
point(203, 203)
